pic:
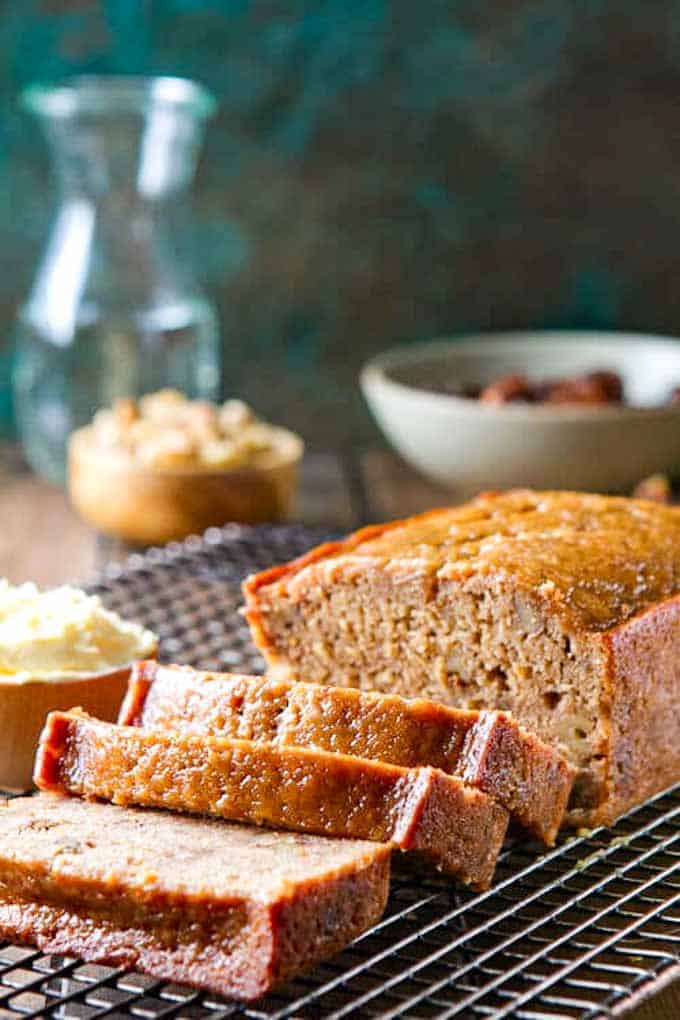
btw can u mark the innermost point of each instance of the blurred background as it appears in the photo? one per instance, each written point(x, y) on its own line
point(381, 172)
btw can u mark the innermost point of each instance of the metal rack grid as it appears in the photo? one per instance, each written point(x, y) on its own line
point(571, 933)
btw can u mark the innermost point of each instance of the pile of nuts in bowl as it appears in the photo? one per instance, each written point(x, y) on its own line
point(166, 430)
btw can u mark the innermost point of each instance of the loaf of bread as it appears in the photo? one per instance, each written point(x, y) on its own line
point(485, 749)
point(230, 908)
point(562, 608)
point(457, 828)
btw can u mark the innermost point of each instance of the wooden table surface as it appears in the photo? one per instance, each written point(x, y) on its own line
point(42, 540)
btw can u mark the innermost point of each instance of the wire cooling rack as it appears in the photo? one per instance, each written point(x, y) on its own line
point(576, 932)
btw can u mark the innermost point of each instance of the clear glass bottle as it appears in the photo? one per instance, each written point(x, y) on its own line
point(113, 311)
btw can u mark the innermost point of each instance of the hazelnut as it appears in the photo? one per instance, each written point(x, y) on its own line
point(509, 389)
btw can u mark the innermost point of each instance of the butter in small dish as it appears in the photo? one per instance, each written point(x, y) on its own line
point(58, 648)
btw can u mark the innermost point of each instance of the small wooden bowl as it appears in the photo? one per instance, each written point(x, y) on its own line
point(23, 707)
point(146, 505)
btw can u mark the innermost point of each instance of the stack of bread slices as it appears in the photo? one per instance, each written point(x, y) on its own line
point(325, 783)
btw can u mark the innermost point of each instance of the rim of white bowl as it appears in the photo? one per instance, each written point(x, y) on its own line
point(374, 375)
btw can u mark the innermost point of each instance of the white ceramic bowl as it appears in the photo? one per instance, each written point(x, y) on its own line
point(460, 442)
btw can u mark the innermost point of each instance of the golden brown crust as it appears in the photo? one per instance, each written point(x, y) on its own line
point(63, 890)
point(643, 699)
point(530, 779)
point(139, 684)
point(486, 749)
point(312, 930)
point(326, 549)
point(598, 560)
point(284, 787)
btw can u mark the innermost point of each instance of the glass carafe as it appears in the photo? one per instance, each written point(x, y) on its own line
point(113, 311)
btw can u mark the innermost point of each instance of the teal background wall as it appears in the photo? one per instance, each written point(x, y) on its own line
point(384, 170)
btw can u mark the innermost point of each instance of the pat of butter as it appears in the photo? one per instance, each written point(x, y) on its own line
point(62, 634)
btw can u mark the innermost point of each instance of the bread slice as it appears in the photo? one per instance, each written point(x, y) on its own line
point(230, 908)
point(562, 608)
point(452, 825)
point(485, 749)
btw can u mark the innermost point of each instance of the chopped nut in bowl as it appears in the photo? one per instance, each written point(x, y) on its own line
point(163, 467)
